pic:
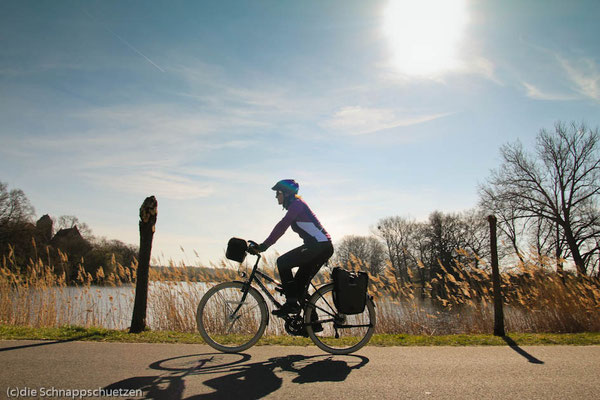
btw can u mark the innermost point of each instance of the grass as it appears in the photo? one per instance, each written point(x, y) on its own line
point(525, 339)
point(70, 333)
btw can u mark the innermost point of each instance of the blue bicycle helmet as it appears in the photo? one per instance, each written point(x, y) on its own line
point(287, 186)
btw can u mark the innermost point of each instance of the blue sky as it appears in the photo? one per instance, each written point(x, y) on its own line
point(377, 108)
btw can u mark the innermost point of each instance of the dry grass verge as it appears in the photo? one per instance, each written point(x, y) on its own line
point(537, 300)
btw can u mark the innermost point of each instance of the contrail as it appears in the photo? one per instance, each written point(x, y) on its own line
point(125, 42)
point(134, 49)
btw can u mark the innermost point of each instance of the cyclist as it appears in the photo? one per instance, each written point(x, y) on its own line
point(309, 257)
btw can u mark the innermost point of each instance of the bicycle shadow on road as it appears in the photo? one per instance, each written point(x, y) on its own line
point(236, 377)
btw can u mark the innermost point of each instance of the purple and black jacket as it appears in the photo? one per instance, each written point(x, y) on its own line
point(303, 221)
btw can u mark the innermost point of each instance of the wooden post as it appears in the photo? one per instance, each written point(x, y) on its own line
point(498, 312)
point(559, 265)
point(148, 213)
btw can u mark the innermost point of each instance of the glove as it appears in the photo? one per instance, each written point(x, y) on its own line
point(261, 247)
point(255, 248)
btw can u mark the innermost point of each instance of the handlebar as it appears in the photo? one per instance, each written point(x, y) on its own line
point(251, 248)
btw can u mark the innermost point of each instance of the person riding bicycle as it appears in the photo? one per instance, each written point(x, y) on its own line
point(309, 257)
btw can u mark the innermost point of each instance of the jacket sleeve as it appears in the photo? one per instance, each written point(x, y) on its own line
point(282, 225)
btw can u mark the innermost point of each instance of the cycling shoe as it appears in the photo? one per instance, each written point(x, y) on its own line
point(286, 309)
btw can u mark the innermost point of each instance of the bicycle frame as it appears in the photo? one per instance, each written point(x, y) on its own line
point(255, 276)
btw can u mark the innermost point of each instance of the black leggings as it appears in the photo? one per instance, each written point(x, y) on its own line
point(309, 258)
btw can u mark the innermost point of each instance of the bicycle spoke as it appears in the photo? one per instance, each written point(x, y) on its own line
point(341, 334)
point(331, 314)
point(225, 302)
point(226, 322)
point(250, 308)
point(333, 309)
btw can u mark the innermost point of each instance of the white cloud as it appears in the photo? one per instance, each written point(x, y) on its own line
point(105, 140)
point(584, 74)
point(158, 183)
point(163, 121)
point(209, 85)
point(565, 76)
point(229, 175)
point(539, 94)
point(356, 120)
point(481, 66)
point(473, 66)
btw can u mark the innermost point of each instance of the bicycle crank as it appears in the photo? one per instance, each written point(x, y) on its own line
point(294, 325)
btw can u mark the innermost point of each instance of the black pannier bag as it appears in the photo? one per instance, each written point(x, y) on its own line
point(236, 249)
point(349, 290)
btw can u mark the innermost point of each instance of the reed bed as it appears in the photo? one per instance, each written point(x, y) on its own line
point(536, 299)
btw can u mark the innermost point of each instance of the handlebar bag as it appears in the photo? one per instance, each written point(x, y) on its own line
point(349, 290)
point(236, 249)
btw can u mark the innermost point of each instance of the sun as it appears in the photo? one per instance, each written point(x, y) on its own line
point(424, 35)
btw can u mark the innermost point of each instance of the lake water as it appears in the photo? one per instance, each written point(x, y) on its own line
point(110, 307)
point(171, 306)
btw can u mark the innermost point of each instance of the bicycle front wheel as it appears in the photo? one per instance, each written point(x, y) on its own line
point(229, 320)
point(340, 334)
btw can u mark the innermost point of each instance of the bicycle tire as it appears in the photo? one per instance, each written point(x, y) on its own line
point(215, 323)
point(350, 339)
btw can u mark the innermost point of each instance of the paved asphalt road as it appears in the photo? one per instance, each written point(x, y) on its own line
point(166, 371)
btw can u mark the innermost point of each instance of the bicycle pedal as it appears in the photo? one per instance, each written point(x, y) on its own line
point(282, 316)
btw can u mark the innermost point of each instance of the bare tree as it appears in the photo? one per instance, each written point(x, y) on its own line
point(16, 228)
point(559, 183)
point(455, 238)
point(587, 232)
point(441, 232)
point(473, 236)
point(511, 221)
point(71, 221)
point(365, 249)
point(14, 207)
point(398, 235)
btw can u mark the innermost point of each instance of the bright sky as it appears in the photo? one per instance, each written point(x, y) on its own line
point(377, 108)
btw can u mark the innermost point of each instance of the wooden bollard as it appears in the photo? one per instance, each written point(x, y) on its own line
point(148, 213)
point(498, 311)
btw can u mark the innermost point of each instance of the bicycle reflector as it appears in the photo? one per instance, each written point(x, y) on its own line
point(236, 249)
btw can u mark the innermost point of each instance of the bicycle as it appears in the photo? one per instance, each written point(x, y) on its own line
point(233, 316)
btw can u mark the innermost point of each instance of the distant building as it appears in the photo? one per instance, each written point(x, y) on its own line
point(70, 241)
point(44, 227)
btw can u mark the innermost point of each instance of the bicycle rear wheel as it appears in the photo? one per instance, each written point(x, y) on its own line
point(341, 334)
point(229, 322)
